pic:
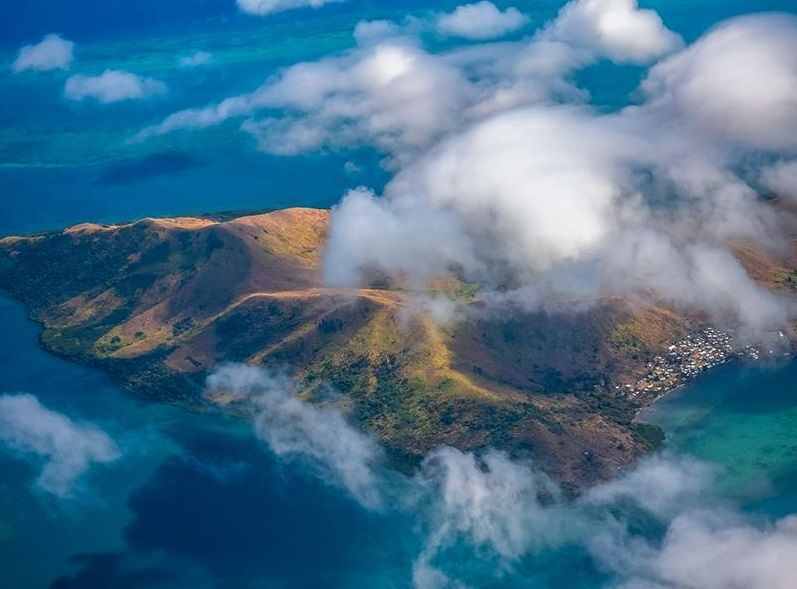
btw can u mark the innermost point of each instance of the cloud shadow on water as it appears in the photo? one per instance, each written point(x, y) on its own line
point(228, 507)
point(99, 571)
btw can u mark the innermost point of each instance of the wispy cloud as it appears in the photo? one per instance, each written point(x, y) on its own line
point(51, 53)
point(196, 59)
point(508, 509)
point(67, 448)
point(781, 179)
point(292, 427)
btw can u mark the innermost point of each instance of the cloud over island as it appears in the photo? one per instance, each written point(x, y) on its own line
point(528, 186)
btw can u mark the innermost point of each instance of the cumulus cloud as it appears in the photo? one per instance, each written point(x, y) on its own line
point(481, 20)
point(292, 427)
point(195, 59)
point(617, 29)
point(51, 53)
point(504, 172)
point(549, 199)
point(265, 7)
point(737, 83)
point(393, 94)
point(68, 449)
point(112, 86)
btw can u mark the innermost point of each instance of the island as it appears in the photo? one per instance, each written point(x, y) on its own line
point(159, 303)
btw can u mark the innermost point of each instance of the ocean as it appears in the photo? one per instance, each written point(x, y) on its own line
point(196, 500)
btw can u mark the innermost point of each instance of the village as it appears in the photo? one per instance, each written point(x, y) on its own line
point(689, 357)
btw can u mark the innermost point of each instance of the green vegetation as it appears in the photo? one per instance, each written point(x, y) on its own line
point(157, 304)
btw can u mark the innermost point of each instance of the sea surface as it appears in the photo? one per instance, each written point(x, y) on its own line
point(196, 500)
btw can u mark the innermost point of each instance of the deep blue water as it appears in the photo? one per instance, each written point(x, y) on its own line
point(196, 500)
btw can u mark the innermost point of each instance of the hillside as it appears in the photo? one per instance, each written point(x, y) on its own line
point(160, 302)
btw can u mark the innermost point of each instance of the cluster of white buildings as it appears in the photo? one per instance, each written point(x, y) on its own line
point(687, 358)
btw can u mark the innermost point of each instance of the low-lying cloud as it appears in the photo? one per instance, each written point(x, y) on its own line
point(292, 427)
point(480, 21)
point(781, 179)
point(67, 448)
point(506, 511)
point(504, 171)
point(51, 53)
point(112, 86)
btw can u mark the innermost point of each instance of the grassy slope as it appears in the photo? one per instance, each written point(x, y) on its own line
point(158, 303)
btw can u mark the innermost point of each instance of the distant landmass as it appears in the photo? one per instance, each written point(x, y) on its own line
point(159, 303)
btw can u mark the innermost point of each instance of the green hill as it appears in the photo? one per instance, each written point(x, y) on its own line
point(160, 302)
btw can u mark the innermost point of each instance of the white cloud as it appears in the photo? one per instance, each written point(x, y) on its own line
point(370, 31)
point(781, 179)
point(195, 59)
point(506, 509)
point(548, 198)
point(617, 29)
point(51, 53)
point(264, 7)
point(664, 485)
point(710, 549)
point(393, 94)
point(737, 83)
point(504, 171)
point(481, 20)
point(292, 427)
point(112, 86)
point(492, 501)
point(68, 448)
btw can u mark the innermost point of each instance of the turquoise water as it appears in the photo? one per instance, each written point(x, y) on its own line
point(195, 500)
point(744, 418)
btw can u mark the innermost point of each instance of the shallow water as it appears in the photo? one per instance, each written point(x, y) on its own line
point(744, 418)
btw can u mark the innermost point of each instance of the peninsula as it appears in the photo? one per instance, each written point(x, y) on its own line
point(159, 303)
